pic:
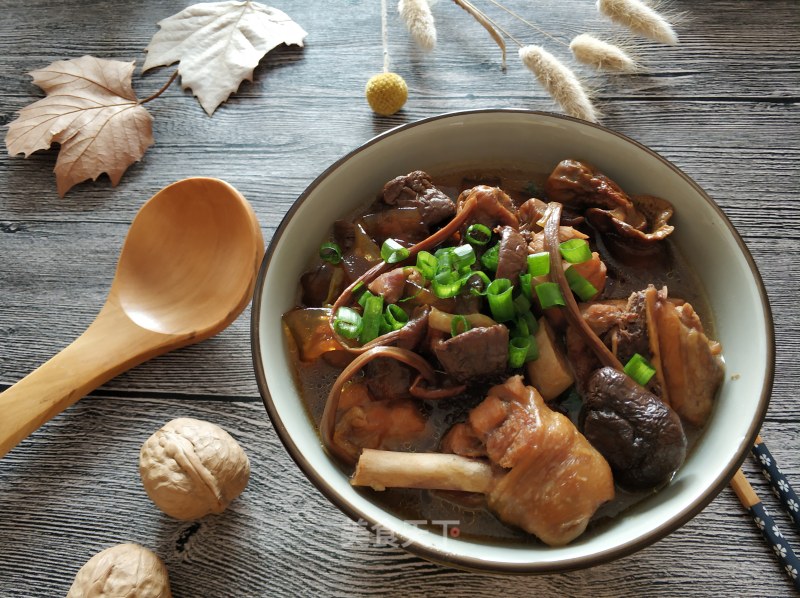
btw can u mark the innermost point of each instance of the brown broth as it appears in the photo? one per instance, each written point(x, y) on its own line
point(474, 520)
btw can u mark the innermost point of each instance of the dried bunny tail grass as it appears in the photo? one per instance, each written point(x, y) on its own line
point(639, 18)
point(417, 16)
point(559, 81)
point(601, 55)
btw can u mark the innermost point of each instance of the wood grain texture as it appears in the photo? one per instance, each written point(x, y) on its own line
point(722, 106)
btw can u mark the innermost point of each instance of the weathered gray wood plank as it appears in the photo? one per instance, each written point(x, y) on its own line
point(723, 106)
point(281, 537)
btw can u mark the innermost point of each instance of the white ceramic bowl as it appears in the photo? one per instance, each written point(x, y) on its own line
point(512, 137)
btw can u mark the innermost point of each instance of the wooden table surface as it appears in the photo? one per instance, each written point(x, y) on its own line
point(722, 105)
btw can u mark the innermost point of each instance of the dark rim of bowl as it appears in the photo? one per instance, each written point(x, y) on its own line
point(473, 563)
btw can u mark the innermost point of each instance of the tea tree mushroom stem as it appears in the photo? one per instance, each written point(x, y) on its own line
point(432, 471)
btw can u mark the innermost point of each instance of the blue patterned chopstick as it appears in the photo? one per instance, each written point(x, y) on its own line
point(780, 545)
point(780, 485)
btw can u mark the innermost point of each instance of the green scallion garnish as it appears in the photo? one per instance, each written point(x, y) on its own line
point(330, 252)
point(362, 300)
point(549, 294)
point(372, 318)
point(533, 350)
point(520, 328)
point(575, 251)
point(458, 325)
point(521, 304)
point(639, 369)
point(392, 252)
point(525, 286)
point(347, 323)
point(580, 286)
point(478, 234)
point(539, 264)
point(463, 257)
point(518, 351)
point(531, 321)
point(477, 282)
point(500, 302)
point(446, 284)
point(427, 264)
point(395, 317)
point(491, 257)
point(458, 258)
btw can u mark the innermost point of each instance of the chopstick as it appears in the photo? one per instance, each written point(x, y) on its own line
point(763, 520)
point(785, 492)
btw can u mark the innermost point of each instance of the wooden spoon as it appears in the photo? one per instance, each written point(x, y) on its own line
point(186, 271)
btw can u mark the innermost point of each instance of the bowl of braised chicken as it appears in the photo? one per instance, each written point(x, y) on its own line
point(512, 341)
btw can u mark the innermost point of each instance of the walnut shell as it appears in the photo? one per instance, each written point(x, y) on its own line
point(122, 570)
point(191, 468)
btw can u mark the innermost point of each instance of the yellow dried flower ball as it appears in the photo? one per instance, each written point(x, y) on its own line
point(386, 93)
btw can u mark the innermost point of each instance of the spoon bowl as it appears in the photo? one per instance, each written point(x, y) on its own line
point(187, 263)
point(186, 271)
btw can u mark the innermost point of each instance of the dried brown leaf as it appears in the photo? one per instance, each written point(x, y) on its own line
point(219, 44)
point(92, 111)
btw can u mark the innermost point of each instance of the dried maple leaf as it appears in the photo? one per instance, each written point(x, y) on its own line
point(92, 111)
point(219, 44)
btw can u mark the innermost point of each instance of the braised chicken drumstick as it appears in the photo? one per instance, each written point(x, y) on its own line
point(537, 471)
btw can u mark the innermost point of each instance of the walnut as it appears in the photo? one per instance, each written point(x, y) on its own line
point(122, 570)
point(191, 468)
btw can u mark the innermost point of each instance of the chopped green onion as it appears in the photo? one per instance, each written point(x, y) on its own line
point(446, 284)
point(372, 318)
point(458, 325)
point(526, 327)
point(463, 257)
point(539, 264)
point(549, 294)
point(444, 258)
point(521, 304)
point(478, 234)
point(477, 282)
point(518, 351)
point(525, 286)
point(395, 317)
point(639, 369)
point(392, 252)
point(520, 328)
point(575, 251)
point(456, 258)
point(579, 285)
point(427, 264)
point(531, 321)
point(362, 301)
point(533, 350)
point(347, 323)
point(330, 252)
point(491, 257)
point(358, 291)
point(500, 302)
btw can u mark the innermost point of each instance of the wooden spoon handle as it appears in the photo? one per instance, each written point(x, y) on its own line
point(111, 345)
